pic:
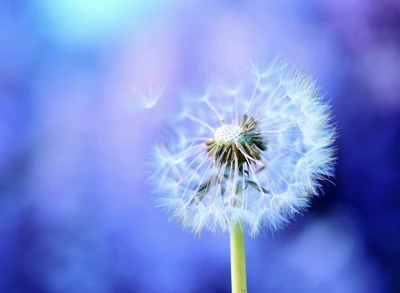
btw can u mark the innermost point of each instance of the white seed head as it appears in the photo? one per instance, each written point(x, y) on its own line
point(228, 134)
point(257, 160)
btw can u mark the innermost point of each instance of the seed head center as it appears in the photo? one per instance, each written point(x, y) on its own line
point(234, 144)
point(228, 134)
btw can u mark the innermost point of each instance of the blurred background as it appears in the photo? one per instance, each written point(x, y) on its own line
point(80, 102)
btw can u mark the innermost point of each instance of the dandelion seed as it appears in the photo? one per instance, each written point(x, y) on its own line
point(145, 100)
point(254, 155)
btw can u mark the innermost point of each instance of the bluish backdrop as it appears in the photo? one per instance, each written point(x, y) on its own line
point(76, 212)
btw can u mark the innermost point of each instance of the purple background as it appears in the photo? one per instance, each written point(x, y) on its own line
point(76, 213)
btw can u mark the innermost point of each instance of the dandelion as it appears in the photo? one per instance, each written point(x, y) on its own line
point(250, 157)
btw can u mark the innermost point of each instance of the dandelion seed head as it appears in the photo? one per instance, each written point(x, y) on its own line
point(255, 152)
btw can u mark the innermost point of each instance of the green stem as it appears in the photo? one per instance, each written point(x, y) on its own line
point(238, 260)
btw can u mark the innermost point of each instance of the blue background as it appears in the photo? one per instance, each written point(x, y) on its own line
point(76, 213)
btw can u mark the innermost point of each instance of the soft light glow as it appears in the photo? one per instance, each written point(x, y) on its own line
point(77, 22)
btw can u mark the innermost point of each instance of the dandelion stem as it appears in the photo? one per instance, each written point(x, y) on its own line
point(238, 260)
